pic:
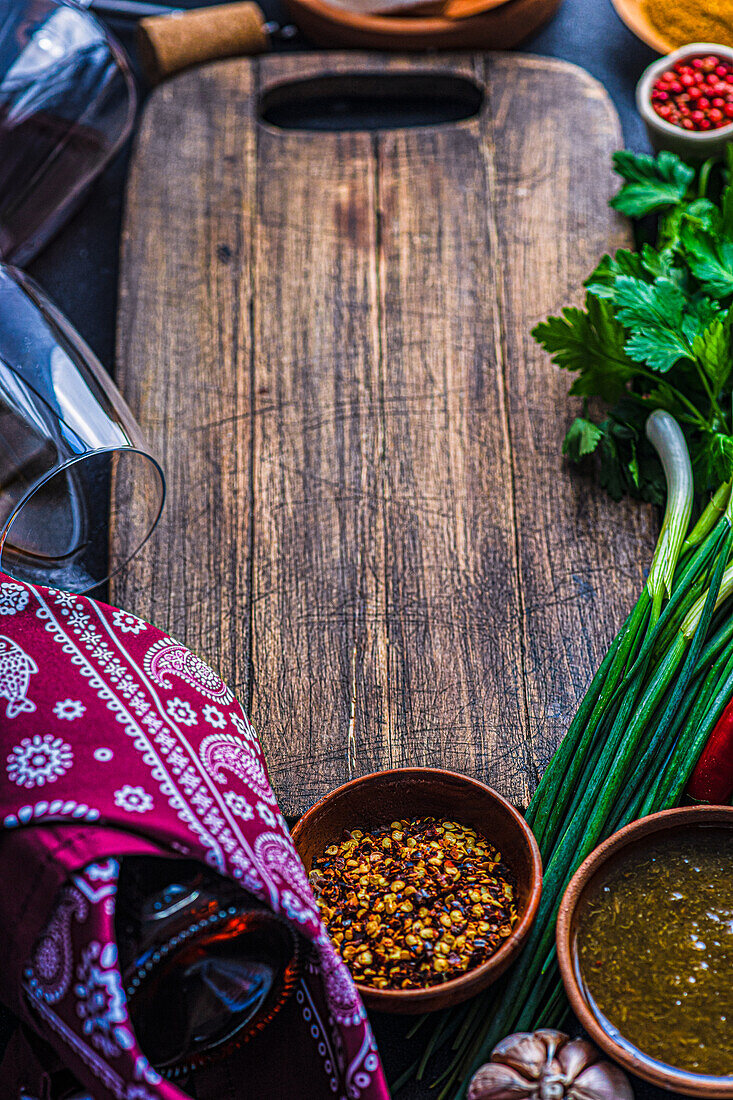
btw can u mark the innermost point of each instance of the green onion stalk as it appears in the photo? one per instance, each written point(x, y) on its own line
point(629, 750)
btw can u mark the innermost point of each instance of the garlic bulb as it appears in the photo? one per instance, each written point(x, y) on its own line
point(547, 1065)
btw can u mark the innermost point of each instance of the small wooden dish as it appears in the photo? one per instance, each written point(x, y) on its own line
point(632, 13)
point(383, 797)
point(593, 870)
point(501, 28)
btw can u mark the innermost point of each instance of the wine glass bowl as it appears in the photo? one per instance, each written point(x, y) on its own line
point(67, 104)
point(68, 446)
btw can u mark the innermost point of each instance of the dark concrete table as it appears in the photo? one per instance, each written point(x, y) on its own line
point(79, 271)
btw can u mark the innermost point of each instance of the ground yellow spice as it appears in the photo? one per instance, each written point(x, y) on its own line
point(683, 21)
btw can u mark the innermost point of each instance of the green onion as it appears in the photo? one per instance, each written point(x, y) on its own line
point(709, 517)
point(665, 435)
point(631, 746)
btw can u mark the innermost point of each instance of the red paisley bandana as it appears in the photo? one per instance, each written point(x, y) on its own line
point(117, 740)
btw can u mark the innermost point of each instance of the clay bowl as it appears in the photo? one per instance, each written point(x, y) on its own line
point(632, 13)
point(387, 796)
point(500, 28)
point(598, 864)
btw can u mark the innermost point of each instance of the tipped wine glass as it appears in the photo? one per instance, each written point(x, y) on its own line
point(73, 462)
point(67, 104)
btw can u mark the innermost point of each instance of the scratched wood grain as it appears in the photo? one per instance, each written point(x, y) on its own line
point(370, 530)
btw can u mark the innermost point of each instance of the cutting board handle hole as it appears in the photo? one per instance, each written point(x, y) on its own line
point(371, 101)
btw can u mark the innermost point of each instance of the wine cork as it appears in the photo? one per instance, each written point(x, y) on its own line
point(169, 43)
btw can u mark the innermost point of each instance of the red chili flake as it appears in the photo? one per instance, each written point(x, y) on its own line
point(437, 902)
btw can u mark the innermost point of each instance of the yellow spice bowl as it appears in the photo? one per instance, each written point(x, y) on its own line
point(633, 14)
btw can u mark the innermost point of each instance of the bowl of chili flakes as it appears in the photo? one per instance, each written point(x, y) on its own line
point(428, 883)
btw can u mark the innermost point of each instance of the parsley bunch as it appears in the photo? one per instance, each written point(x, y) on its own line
point(656, 330)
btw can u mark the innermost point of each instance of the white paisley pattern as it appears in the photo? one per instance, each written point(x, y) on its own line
point(276, 855)
point(295, 908)
point(103, 1039)
point(181, 711)
point(239, 805)
point(311, 1016)
point(98, 883)
point(244, 728)
point(50, 969)
point(214, 717)
point(130, 703)
point(128, 624)
point(244, 870)
point(59, 808)
point(69, 709)
point(16, 669)
point(190, 790)
point(213, 779)
point(100, 1000)
point(343, 1000)
point(39, 759)
point(168, 658)
point(221, 752)
point(265, 814)
point(209, 779)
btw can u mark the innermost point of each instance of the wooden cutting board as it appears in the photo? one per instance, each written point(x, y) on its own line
point(370, 530)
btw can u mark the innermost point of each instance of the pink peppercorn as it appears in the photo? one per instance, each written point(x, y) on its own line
point(691, 93)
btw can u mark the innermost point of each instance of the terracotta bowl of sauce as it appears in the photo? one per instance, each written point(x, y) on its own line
point(645, 947)
point(383, 797)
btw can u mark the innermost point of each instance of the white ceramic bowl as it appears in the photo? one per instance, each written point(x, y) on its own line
point(690, 144)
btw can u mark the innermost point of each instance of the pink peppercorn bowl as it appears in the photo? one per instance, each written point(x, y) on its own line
point(381, 797)
point(689, 144)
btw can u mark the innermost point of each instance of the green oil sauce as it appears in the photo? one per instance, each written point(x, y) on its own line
point(654, 950)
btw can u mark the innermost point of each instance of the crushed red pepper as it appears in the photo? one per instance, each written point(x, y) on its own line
point(414, 903)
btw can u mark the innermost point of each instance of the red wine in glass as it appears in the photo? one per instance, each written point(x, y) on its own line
point(67, 103)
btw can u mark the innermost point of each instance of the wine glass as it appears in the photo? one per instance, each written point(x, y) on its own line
point(73, 462)
point(67, 104)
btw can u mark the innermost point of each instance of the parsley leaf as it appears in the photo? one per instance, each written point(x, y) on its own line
point(651, 182)
point(726, 209)
point(710, 260)
point(659, 304)
point(582, 439)
point(653, 312)
point(590, 342)
point(714, 459)
point(602, 282)
point(627, 461)
point(712, 350)
point(656, 330)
